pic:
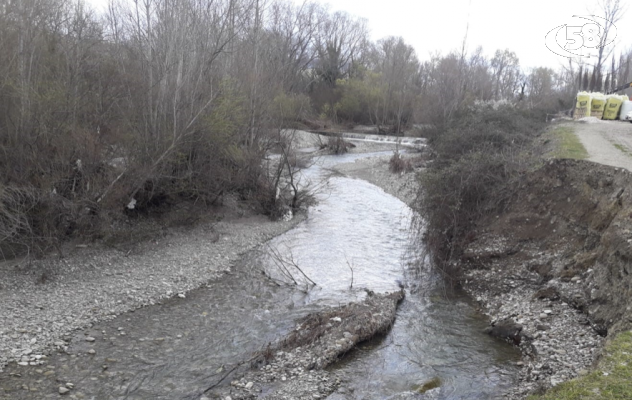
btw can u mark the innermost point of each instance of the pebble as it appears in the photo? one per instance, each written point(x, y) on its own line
point(90, 339)
point(563, 346)
point(63, 390)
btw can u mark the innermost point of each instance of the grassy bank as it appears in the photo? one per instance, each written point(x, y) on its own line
point(566, 144)
point(611, 380)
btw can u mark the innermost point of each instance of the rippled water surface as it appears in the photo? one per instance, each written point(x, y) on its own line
point(355, 239)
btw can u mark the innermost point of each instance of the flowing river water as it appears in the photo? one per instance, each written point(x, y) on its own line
point(177, 349)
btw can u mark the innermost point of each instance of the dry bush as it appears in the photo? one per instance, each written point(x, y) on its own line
point(477, 158)
point(15, 205)
point(398, 164)
point(337, 145)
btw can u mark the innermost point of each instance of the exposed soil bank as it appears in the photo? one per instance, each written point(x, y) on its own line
point(557, 262)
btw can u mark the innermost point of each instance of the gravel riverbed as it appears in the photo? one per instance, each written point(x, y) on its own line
point(375, 170)
point(46, 300)
point(43, 301)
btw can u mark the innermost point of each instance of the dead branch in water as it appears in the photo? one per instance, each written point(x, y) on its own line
point(350, 265)
point(286, 264)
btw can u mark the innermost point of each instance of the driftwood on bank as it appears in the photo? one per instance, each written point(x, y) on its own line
point(295, 365)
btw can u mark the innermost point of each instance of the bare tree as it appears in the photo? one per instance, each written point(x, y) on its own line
point(339, 42)
point(399, 68)
point(610, 13)
point(505, 69)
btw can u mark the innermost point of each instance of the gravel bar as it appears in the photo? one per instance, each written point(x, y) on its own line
point(46, 300)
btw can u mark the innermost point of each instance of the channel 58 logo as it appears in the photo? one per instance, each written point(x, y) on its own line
point(583, 38)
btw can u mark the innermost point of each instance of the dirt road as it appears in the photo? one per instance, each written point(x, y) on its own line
point(607, 142)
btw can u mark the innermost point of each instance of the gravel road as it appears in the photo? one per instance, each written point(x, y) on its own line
point(607, 142)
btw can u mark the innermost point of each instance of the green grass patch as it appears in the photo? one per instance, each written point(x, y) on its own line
point(611, 381)
point(622, 148)
point(566, 144)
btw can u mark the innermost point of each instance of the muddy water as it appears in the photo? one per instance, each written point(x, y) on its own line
point(353, 241)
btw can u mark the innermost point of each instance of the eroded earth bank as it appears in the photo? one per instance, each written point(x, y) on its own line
point(556, 264)
point(553, 269)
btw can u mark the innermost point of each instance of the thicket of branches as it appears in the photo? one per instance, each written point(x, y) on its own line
point(152, 103)
point(492, 112)
point(479, 155)
point(155, 102)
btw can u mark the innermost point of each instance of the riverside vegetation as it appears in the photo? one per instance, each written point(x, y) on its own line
point(159, 105)
point(510, 211)
point(163, 105)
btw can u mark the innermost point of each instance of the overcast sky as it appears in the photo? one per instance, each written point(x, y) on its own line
point(440, 25)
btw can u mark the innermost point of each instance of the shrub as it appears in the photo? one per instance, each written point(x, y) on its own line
point(398, 164)
point(337, 145)
point(478, 156)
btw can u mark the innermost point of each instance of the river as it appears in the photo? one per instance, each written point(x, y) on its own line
point(355, 239)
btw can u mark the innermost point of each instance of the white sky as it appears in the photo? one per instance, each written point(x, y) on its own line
point(440, 25)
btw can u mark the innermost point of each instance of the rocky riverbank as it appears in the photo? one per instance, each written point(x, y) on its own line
point(555, 264)
point(376, 171)
point(42, 301)
point(550, 271)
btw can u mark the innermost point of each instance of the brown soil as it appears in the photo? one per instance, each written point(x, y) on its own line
point(557, 261)
point(581, 214)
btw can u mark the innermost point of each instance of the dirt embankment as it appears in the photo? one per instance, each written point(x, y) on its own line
point(557, 263)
